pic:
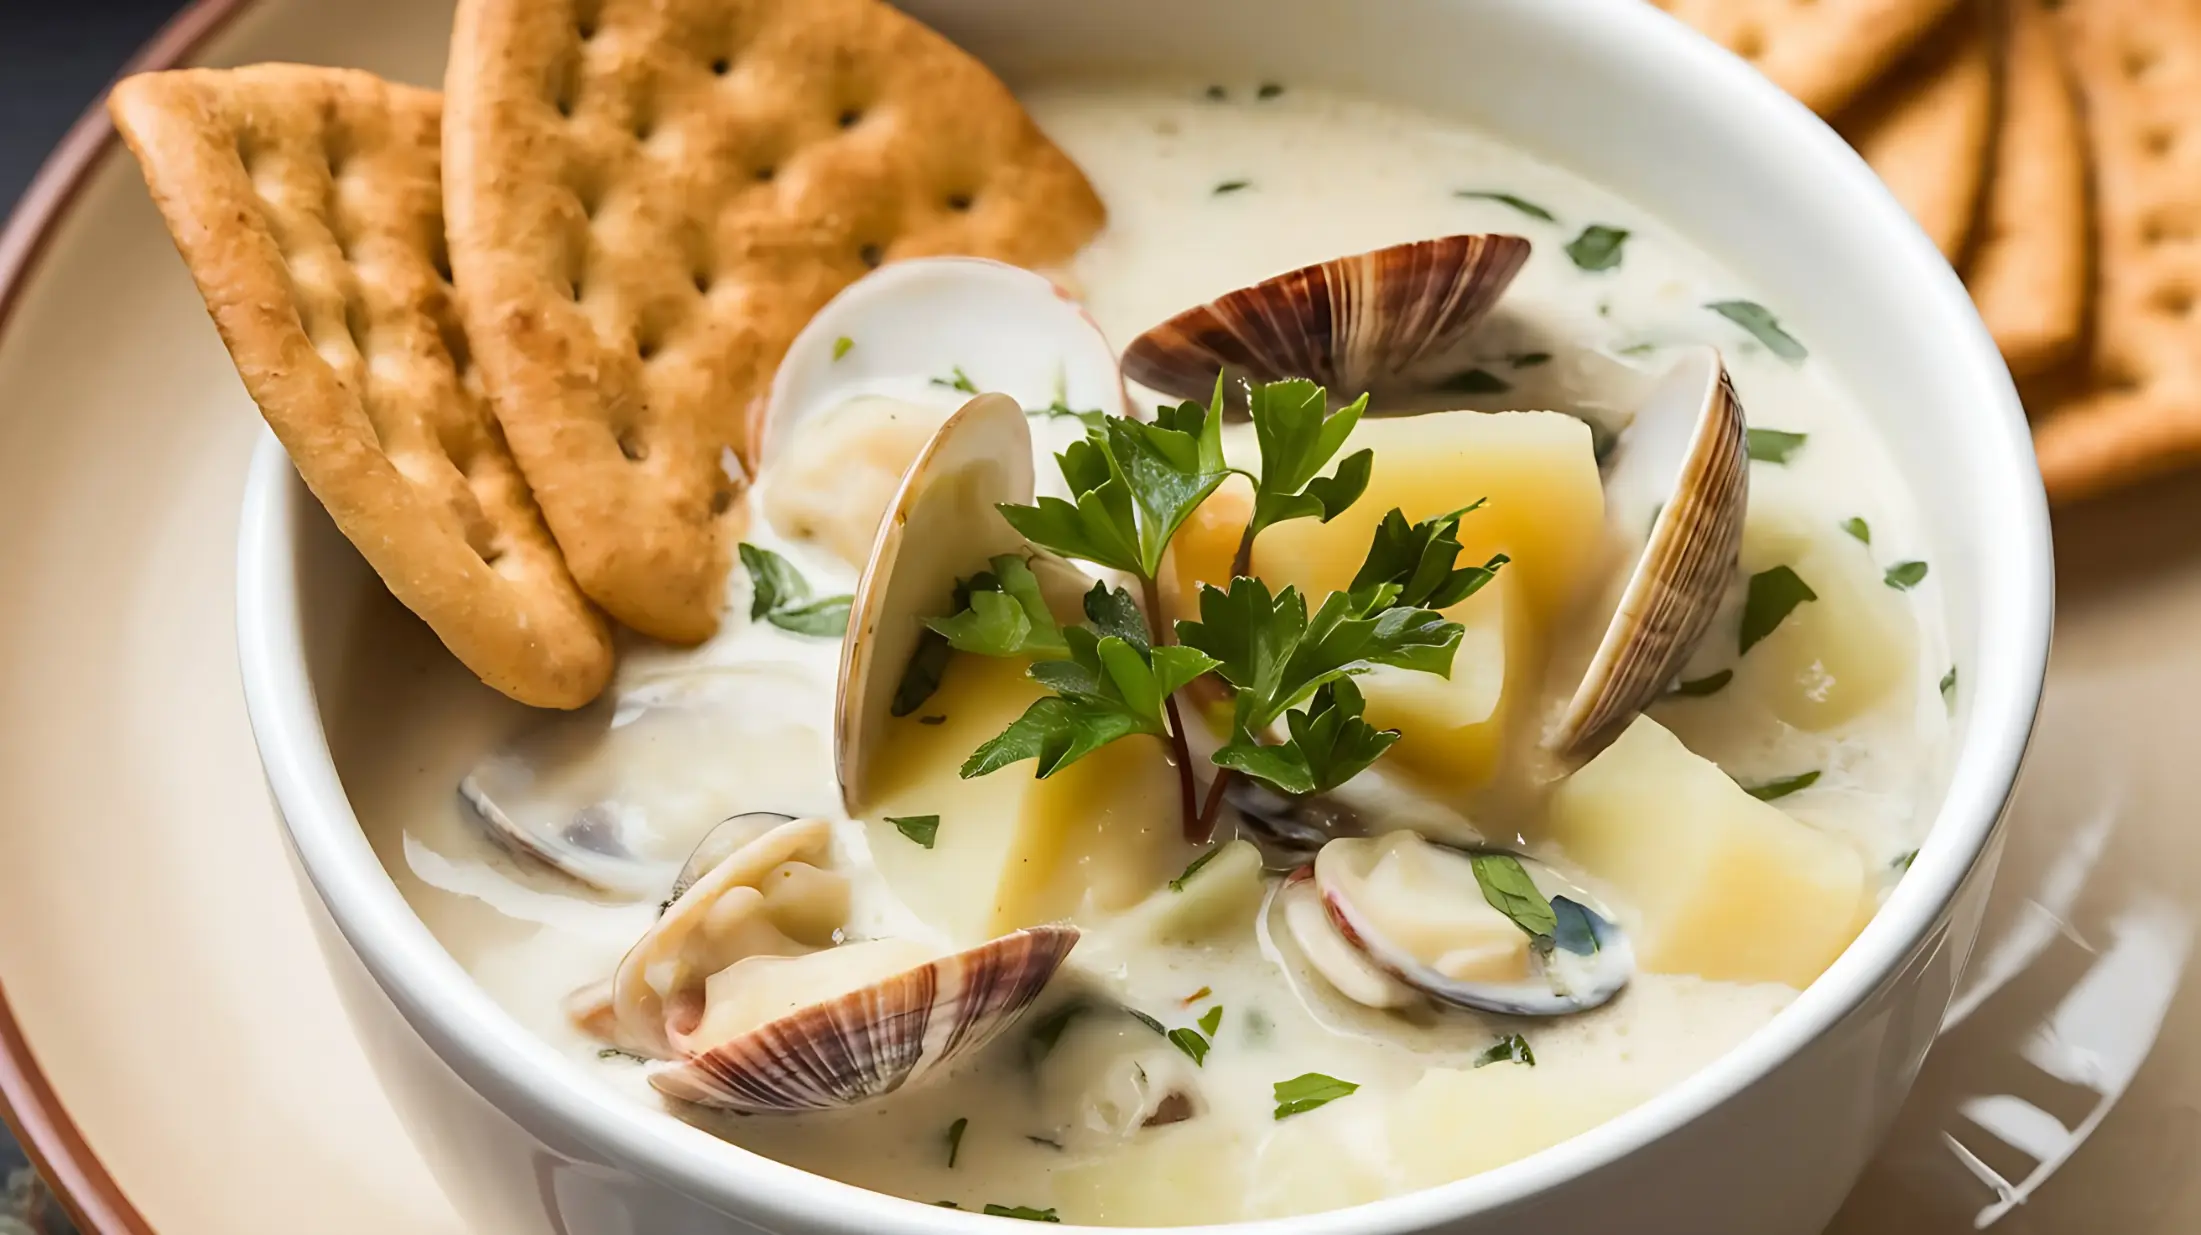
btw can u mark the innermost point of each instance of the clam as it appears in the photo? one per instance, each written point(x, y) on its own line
point(941, 526)
point(1368, 322)
point(1343, 966)
point(1682, 468)
point(747, 987)
point(1418, 914)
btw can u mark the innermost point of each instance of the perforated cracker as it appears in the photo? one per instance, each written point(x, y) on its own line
point(2028, 272)
point(306, 202)
point(1822, 51)
point(2138, 63)
point(1926, 128)
point(648, 198)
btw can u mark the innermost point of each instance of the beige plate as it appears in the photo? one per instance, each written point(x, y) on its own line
point(167, 1009)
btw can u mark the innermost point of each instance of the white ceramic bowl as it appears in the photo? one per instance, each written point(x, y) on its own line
point(1768, 1138)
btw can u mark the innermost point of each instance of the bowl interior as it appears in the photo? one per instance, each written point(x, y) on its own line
point(1608, 88)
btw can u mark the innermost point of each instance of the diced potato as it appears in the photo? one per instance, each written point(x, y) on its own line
point(1185, 1174)
point(1831, 658)
point(1453, 1124)
point(1451, 730)
point(1218, 902)
point(1312, 1164)
point(1204, 547)
point(1545, 505)
point(1012, 850)
point(1724, 886)
point(834, 479)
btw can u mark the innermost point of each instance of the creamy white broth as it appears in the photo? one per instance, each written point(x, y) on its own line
point(1318, 176)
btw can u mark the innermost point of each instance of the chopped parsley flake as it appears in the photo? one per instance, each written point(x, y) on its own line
point(1269, 90)
point(1858, 528)
point(1773, 445)
point(1903, 576)
point(1191, 1043)
point(1754, 318)
point(780, 595)
point(1948, 687)
point(1772, 790)
point(1529, 208)
point(1023, 1212)
point(1772, 596)
point(1510, 891)
point(932, 720)
point(1528, 360)
point(923, 829)
point(841, 346)
point(1597, 248)
point(1217, 94)
point(1513, 1048)
point(1147, 1021)
point(1212, 1020)
point(955, 1140)
point(1709, 684)
point(1307, 1091)
point(958, 381)
point(1178, 884)
point(613, 1052)
point(1232, 186)
point(1902, 864)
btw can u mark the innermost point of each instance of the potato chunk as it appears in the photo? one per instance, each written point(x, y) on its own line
point(1832, 658)
point(1183, 1174)
point(1012, 851)
point(1451, 729)
point(1218, 902)
point(1723, 885)
point(1453, 1124)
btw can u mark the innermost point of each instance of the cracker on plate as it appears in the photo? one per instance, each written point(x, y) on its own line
point(2139, 67)
point(2028, 271)
point(1822, 51)
point(1926, 128)
point(307, 204)
point(648, 198)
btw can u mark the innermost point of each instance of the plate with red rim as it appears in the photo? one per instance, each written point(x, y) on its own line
point(172, 1046)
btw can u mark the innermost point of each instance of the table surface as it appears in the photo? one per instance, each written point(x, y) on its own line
point(54, 61)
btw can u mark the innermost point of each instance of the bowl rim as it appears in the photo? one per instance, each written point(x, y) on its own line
point(530, 1081)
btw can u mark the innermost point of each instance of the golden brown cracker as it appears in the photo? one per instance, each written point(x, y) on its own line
point(1926, 128)
point(2028, 272)
point(306, 202)
point(2138, 63)
point(649, 198)
point(1822, 51)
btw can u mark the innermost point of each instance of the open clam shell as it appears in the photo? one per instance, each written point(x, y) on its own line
point(1417, 912)
point(941, 526)
point(1685, 464)
point(1351, 324)
point(896, 329)
point(853, 1046)
point(1348, 970)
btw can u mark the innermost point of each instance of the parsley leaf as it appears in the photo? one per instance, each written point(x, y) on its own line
point(1231, 186)
point(1109, 687)
point(1089, 417)
point(1418, 559)
point(1135, 484)
point(1597, 248)
point(1513, 1048)
point(1004, 614)
point(780, 595)
point(1330, 744)
point(1178, 884)
point(1902, 863)
point(1754, 318)
point(1772, 445)
point(1298, 436)
point(1475, 382)
point(841, 346)
point(1529, 208)
point(1574, 928)
point(1772, 596)
point(1782, 788)
point(921, 677)
point(1527, 360)
point(1707, 685)
point(955, 1140)
point(959, 381)
point(923, 829)
point(1191, 1043)
point(1146, 1020)
point(1024, 1212)
point(613, 1052)
point(1307, 1091)
point(1212, 1020)
point(1510, 891)
point(1903, 576)
point(1948, 687)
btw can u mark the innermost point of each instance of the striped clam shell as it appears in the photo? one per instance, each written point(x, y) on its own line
point(1688, 442)
point(877, 1039)
point(1351, 324)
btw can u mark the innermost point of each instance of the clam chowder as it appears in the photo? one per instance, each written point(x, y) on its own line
point(1603, 722)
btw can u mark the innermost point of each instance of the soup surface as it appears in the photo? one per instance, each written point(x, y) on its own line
point(1090, 1108)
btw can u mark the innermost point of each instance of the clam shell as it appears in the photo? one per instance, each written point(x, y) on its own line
point(913, 320)
point(1348, 971)
point(1687, 452)
point(940, 527)
point(875, 1040)
point(1559, 984)
point(1351, 324)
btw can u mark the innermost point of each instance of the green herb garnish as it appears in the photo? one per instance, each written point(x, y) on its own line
point(1191, 1043)
point(932, 720)
point(921, 677)
point(959, 381)
point(1639, 349)
point(1710, 684)
point(1772, 790)
point(1146, 1020)
point(1510, 891)
point(1217, 94)
point(1003, 614)
point(1598, 247)
point(1211, 1020)
point(1574, 928)
point(1773, 595)
point(1948, 687)
point(1513, 1048)
point(923, 829)
point(1475, 382)
point(1858, 528)
point(1023, 1212)
point(1527, 360)
point(613, 1052)
point(1531, 209)
point(955, 1140)
point(1418, 558)
point(1903, 576)
point(1231, 186)
point(841, 346)
point(780, 595)
point(1089, 417)
point(1308, 1091)
point(1773, 445)
point(1178, 884)
point(1268, 90)
point(1902, 863)
point(1754, 318)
